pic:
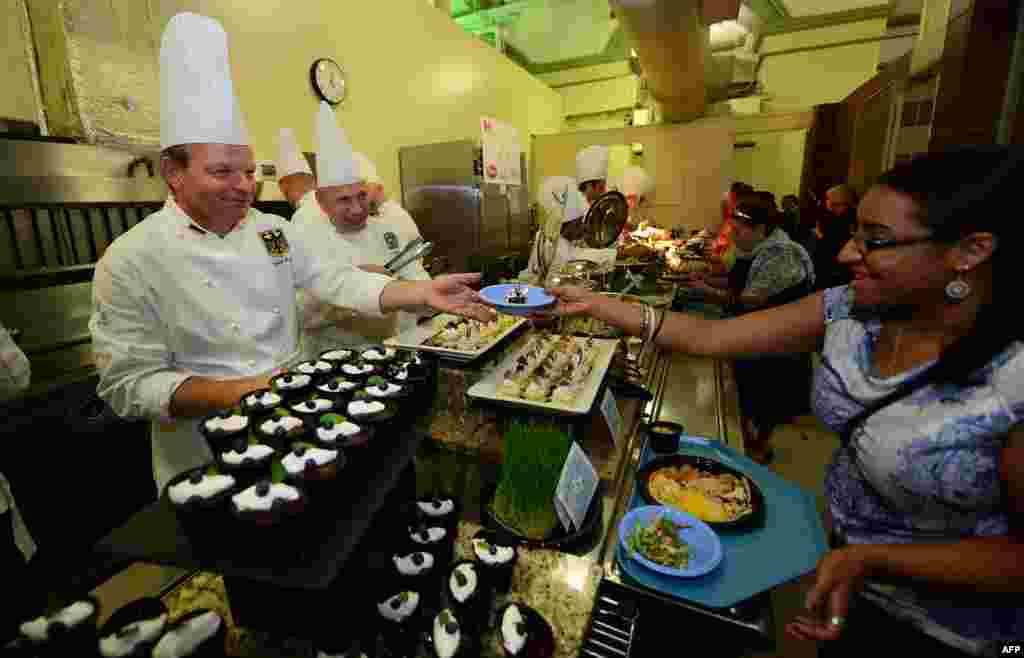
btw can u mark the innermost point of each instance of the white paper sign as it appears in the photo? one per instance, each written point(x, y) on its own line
point(610, 411)
point(502, 149)
point(576, 488)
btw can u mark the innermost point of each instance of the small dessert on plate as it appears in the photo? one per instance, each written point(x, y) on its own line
point(248, 461)
point(466, 594)
point(317, 368)
point(268, 504)
point(438, 510)
point(281, 430)
point(338, 356)
point(415, 571)
point(379, 388)
point(132, 631)
point(292, 385)
point(261, 402)
point(314, 468)
point(398, 616)
point(336, 431)
point(337, 387)
point(378, 354)
point(310, 410)
point(446, 637)
point(199, 634)
point(199, 497)
point(497, 560)
point(358, 371)
point(366, 410)
point(524, 633)
point(220, 428)
point(516, 295)
point(71, 631)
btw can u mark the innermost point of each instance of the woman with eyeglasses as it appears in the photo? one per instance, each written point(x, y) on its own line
point(775, 271)
point(922, 375)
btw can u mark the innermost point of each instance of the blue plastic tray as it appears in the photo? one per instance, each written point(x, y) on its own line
point(788, 544)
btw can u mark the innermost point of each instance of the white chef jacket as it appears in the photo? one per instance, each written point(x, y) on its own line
point(564, 252)
point(171, 301)
point(15, 374)
point(326, 326)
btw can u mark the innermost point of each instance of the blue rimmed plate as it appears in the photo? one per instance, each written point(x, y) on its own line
point(536, 298)
point(705, 547)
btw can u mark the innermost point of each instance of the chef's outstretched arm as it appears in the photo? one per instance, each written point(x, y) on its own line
point(138, 378)
point(450, 293)
point(793, 328)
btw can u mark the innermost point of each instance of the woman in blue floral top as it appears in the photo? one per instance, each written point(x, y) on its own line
point(923, 375)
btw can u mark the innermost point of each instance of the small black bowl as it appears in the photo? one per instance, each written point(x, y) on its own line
point(664, 436)
point(123, 627)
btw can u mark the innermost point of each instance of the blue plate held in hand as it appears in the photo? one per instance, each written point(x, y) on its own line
point(535, 299)
point(705, 547)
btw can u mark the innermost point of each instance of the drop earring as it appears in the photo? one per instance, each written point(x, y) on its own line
point(958, 289)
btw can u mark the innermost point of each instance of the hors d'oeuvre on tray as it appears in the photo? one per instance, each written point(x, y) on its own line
point(466, 593)
point(200, 497)
point(436, 539)
point(199, 634)
point(338, 356)
point(292, 385)
point(260, 403)
point(447, 638)
point(309, 410)
point(318, 369)
point(314, 468)
point(524, 633)
point(398, 620)
point(133, 630)
point(364, 409)
point(497, 560)
point(246, 459)
point(338, 387)
point(439, 510)
point(70, 631)
point(378, 388)
point(221, 428)
point(359, 371)
point(334, 430)
point(377, 354)
point(268, 503)
point(281, 429)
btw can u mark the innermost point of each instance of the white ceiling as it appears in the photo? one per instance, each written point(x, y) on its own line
point(802, 8)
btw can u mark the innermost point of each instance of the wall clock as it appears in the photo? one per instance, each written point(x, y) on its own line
point(328, 79)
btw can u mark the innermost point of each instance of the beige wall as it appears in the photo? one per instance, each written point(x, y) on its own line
point(691, 166)
point(776, 162)
point(414, 76)
point(825, 74)
point(18, 99)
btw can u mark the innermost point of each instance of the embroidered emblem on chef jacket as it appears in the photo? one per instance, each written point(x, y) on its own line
point(276, 244)
point(391, 240)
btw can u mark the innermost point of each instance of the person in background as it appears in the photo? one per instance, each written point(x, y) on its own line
point(573, 208)
point(592, 172)
point(922, 375)
point(382, 209)
point(195, 307)
point(771, 390)
point(338, 221)
point(294, 176)
point(833, 230)
point(16, 545)
point(722, 253)
point(799, 231)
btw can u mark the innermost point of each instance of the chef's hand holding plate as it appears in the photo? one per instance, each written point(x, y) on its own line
point(452, 293)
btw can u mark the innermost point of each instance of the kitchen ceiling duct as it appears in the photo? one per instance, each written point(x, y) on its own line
point(671, 43)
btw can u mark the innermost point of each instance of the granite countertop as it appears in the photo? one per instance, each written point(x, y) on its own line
point(559, 586)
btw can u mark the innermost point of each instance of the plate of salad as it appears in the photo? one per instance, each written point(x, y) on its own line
point(670, 541)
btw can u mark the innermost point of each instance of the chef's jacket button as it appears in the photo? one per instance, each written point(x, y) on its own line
point(277, 310)
point(252, 363)
point(237, 327)
point(209, 283)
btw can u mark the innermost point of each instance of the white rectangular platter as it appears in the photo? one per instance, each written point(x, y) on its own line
point(488, 387)
point(415, 338)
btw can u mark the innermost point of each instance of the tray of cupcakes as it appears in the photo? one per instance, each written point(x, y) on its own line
point(139, 629)
point(431, 602)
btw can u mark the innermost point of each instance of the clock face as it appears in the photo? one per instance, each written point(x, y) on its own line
point(328, 80)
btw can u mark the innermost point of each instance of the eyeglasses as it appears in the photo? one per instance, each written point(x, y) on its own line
point(867, 245)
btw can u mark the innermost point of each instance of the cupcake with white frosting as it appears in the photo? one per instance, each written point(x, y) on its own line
point(447, 637)
point(378, 388)
point(133, 630)
point(311, 409)
point(338, 387)
point(220, 428)
point(260, 403)
point(315, 469)
point(268, 503)
point(247, 460)
point(377, 354)
point(199, 497)
point(292, 385)
point(359, 371)
point(524, 633)
point(71, 631)
point(336, 431)
point(363, 409)
point(338, 356)
point(497, 560)
point(199, 634)
point(398, 619)
point(318, 369)
point(280, 430)
point(466, 593)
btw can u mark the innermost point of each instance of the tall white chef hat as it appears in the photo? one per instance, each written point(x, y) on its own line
point(576, 205)
point(636, 182)
point(592, 164)
point(290, 161)
point(367, 170)
point(335, 161)
point(551, 195)
point(197, 97)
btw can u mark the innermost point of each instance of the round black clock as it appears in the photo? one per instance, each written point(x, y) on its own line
point(328, 80)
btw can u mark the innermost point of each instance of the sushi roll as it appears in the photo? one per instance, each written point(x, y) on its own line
point(336, 431)
point(292, 385)
point(133, 630)
point(524, 633)
point(199, 634)
point(398, 617)
point(71, 631)
point(261, 402)
point(497, 560)
point(221, 428)
point(467, 595)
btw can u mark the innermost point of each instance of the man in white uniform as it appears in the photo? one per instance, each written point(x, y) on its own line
point(562, 249)
point(389, 212)
point(294, 176)
point(195, 306)
point(338, 220)
point(592, 172)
